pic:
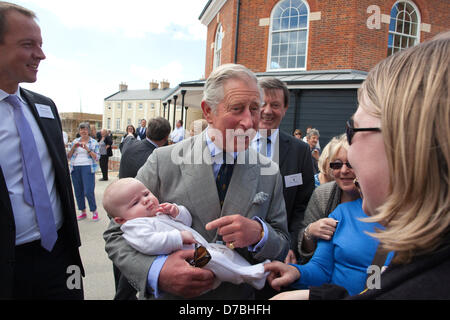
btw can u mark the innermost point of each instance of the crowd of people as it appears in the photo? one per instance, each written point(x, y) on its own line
point(239, 209)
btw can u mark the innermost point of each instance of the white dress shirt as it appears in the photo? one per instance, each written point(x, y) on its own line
point(27, 229)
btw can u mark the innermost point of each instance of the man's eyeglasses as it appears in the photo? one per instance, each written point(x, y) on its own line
point(350, 130)
point(338, 165)
point(201, 256)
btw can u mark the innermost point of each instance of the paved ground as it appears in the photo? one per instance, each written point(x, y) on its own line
point(99, 280)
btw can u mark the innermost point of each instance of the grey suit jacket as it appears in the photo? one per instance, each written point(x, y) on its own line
point(182, 173)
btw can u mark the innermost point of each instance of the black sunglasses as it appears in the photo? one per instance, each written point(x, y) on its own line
point(350, 130)
point(339, 165)
point(201, 256)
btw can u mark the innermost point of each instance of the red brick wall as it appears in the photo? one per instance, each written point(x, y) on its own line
point(339, 40)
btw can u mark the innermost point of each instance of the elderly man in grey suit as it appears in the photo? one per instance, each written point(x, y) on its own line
point(252, 217)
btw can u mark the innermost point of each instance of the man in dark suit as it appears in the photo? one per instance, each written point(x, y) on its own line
point(142, 130)
point(292, 156)
point(39, 237)
point(134, 155)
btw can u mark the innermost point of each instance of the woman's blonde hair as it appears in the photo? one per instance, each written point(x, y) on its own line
point(409, 92)
point(329, 153)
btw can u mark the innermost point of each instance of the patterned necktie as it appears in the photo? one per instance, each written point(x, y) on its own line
point(35, 186)
point(223, 178)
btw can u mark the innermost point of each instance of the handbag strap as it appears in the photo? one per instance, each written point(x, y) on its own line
point(378, 260)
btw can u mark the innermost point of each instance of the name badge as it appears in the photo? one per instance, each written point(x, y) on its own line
point(293, 180)
point(44, 111)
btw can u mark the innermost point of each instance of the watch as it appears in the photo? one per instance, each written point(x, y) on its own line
point(308, 235)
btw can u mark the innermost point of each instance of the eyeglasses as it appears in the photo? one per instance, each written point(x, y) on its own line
point(201, 256)
point(339, 165)
point(350, 130)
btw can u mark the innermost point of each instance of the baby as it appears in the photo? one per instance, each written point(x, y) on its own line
point(154, 229)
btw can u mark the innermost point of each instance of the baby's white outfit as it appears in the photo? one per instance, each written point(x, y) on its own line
point(161, 235)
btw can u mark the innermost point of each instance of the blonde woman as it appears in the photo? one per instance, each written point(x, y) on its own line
point(316, 224)
point(403, 175)
point(325, 172)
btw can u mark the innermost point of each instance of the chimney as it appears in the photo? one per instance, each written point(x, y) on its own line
point(123, 87)
point(154, 85)
point(165, 84)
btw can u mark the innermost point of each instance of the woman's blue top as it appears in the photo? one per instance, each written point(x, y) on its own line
point(345, 258)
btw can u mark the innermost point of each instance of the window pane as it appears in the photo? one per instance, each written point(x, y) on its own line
point(283, 62)
point(275, 38)
point(407, 27)
point(301, 48)
point(275, 50)
point(291, 62)
point(390, 40)
point(303, 10)
point(285, 23)
point(283, 50)
point(404, 43)
point(294, 22)
point(284, 37)
point(301, 62)
point(293, 35)
point(413, 29)
point(274, 64)
point(303, 21)
point(292, 49)
point(302, 36)
point(276, 24)
point(296, 3)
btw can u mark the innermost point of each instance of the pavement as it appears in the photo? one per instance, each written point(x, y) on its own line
point(99, 280)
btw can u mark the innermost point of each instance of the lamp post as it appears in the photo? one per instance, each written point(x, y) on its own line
point(183, 93)
point(175, 97)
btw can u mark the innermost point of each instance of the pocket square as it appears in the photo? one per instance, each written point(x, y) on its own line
point(260, 198)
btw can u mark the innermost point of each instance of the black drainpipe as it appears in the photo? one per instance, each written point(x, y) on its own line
point(237, 31)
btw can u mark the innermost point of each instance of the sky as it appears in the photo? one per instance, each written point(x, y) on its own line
point(94, 45)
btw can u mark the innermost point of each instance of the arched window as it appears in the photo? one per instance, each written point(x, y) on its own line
point(288, 35)
point(218, 47)
point(404, 27)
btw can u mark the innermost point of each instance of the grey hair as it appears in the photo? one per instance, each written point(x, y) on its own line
point(313, 132)
point(85, 125)
point(213, 92)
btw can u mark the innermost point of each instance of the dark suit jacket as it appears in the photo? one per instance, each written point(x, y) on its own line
point(141, 134)
point(134, 155)
point(52, 133)
point(295, 157)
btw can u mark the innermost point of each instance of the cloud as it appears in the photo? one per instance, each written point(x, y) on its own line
point(174, 69)
point(131, 18)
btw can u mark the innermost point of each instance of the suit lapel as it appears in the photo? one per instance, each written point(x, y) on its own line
point(283, 148)
point(198, 178)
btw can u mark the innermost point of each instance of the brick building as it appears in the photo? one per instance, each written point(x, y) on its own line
point(322, 49)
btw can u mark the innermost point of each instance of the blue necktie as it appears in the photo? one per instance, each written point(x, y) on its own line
point(35, 186)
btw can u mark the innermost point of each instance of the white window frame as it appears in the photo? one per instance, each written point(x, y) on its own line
point(218, 40)
point(395, 33)
point(269, 53)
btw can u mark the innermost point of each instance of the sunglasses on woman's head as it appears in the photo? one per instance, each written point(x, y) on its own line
point(350, 130)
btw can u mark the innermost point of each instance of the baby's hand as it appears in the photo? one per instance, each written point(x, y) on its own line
point(187, 237)
point(169, 209)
